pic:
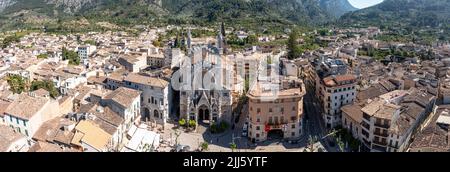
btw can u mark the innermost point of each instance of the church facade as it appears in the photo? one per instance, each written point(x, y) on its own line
point(205, 84)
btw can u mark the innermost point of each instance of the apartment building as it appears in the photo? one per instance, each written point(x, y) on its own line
point(389, 122)
point(334, 89)
point(85, 51)
point(126, 103)
point(156, 96)
point(27, 113)
point(281, 113)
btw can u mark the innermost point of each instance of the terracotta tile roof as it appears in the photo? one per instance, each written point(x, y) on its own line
point(123, 96)
point(33, 104)
point(7, 136)
point(3, 106)
point(93, 135)
point(347, 77)
point(354, 112)
point(146, 80)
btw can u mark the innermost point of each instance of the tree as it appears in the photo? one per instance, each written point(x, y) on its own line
point(156, 43)
point(340, 144)
point(192, 123)
point(90, 42)
point(293, 49)
point(269, 60)
point(72, 56)
point(251, 39)
point(46, 85)
point(247, 85)
point(204, 146)
point(182, 122)
point(10, 39)
point(16, 83)
point(233, 146)
point(222, 29)
point(42, 56)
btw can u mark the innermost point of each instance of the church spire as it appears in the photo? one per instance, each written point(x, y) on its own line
point(189, 39)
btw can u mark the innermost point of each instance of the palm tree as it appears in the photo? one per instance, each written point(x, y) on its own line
point(340, 143)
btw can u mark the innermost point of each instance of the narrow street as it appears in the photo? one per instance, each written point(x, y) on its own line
point(314, 123)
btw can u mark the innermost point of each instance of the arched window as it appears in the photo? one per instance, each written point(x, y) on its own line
point(156, 114)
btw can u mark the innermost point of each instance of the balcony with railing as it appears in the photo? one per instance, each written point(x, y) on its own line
point(366, 117)
point(381, 125)
point(382, 134)
point(365, 125)
point(366, 143)
point(378, 142)
point(277, 123)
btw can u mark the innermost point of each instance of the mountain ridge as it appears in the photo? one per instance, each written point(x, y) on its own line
point(416, 13)
point(305, 12)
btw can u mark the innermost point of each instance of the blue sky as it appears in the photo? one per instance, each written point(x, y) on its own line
point(364, 3)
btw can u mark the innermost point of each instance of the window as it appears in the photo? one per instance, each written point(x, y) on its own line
point(257, 128)
point(17, 120)
point(251, 108)
point(24, 123)
point(26, 133)
point(270, 109)
point(293, 134)
point(257, 135)
point(161, 101)
point(293, 126)
point(293, 108)
point(281, 110)
point(258, 120)
point(258, 110)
